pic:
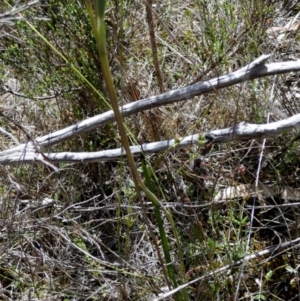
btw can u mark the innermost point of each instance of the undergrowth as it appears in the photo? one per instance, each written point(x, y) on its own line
point(79, 234)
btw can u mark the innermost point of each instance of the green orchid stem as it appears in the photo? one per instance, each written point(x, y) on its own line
point(98, 25)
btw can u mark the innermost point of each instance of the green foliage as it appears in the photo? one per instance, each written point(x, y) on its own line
point(195, 233)
point(66, 26)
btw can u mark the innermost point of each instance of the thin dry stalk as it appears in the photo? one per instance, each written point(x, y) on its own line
point(150, 22)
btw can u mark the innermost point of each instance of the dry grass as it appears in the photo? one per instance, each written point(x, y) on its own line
point(79, 234)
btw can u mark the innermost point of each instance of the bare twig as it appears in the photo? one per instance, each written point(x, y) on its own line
point(241, 131)
point(171, 97)
point(8, 16)
point(261, 253)
point(56, 94)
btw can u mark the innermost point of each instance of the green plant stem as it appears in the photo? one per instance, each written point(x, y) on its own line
point(98, 25)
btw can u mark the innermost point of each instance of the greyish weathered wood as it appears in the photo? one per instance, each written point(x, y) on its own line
point(257, 68)
point(241, 131)
point(26, 153)
point(246, 131)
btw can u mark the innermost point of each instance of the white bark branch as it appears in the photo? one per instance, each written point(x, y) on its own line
point(241, 131)
point(256, 69)
point(26, 153)
point(246, 131)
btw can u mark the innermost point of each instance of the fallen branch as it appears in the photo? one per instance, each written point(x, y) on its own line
point(242, 131)
point(246, 131)
point(256, 69)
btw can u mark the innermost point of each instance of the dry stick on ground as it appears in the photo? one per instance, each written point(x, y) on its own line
point(246, 73)
point(241, 131)
point(234, 264)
